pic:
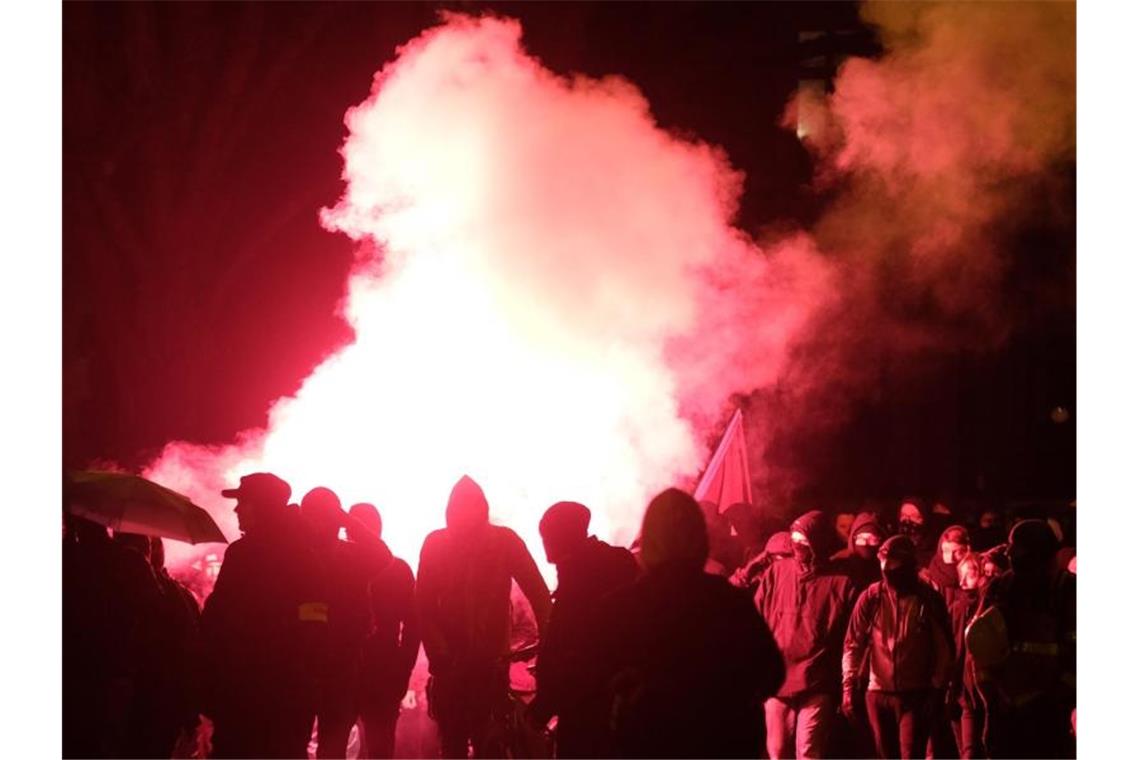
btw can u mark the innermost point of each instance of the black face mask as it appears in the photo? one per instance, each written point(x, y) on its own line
point(911, 530)
point(866, 552)
point(803, 553)
point(901, 579)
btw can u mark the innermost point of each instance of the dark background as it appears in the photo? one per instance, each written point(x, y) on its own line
point(200, 140)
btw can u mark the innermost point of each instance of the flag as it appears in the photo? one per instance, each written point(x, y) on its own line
point(726, 480)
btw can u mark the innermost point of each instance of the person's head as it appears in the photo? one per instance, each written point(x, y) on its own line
point(779, 545)
point(867, 535)
point(673, 532)
point(970, 573)
point(912, 520)
point(564, 528)
point(367, 517)
point(135, 542)
point(843, 523)
point(467, 507)
point(1032, 545)
point(995, 561)
point(262, 498)
point(812, 537)
point(954, 544)
point(990, 519)
point(321, 509)
point(898, 561)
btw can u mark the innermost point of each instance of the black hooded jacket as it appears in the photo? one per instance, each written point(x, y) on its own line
point(807, 608)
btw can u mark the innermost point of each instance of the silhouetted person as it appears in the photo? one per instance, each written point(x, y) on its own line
point(391, 644)
point(990, 531)
point(463, 599)
point(901, 626)
point(349, 566)
point(165, 700)
point(942, 574)
point(265, 628)
point(566, 679)
point(691, 661)
point(111, 603)
point(726, 551)
point(806, 601)
point(1029, 685)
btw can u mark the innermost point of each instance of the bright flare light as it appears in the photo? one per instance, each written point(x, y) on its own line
point(560, 306)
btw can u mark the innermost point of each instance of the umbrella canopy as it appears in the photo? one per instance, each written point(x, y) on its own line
point(130, 504)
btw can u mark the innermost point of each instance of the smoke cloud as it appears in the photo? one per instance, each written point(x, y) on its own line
point(551, 297)
point(934, 155)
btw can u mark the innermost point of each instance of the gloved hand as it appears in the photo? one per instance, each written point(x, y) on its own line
point(848, 706)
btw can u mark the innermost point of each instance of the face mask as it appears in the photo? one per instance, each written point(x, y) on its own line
point(803, 553)
point(910, 529)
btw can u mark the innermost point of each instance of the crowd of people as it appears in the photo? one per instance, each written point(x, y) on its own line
point(719, 633)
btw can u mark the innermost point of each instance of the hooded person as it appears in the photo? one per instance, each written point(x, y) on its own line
point(942, 570)
point(778, 546)
point(860, 558)
point(914, 523)
point(566, 681)
point(463, 599)
point(716, 644)
point(806, 601)
point(1030, 690)
point(901, 628)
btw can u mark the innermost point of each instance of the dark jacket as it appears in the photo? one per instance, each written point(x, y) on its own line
point(907, 640)
point(463, 594)
point(690, 663)
point(941, 575)
point(807, 610)
point(567, 682)
point(964, 686)
point(393, 640)
point(265, 626)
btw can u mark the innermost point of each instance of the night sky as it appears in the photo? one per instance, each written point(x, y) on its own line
point(200, 141)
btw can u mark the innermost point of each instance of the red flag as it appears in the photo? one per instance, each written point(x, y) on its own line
point(726, 480)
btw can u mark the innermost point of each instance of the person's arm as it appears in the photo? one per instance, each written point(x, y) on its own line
point(525, 572)
point(942, 642)
point(409, 620)
point(427, 605)
point(855, 642)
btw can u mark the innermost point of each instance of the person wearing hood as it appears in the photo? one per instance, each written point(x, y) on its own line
point(566, 685)
point(463, 601)
point(688, 659)
point(806, 601)
point(860, 558)
point(778, 546)
point(900, 625)
point(1030, 686)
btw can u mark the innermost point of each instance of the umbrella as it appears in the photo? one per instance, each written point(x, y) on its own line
point(130, 504)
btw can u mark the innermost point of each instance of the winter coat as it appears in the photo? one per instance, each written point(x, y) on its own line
point(807, 609)
point(690, 663)
point(906, 638)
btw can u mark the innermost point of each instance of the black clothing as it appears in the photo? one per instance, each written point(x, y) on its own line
point(690, 664)
point(567, 684)
point(265, 635)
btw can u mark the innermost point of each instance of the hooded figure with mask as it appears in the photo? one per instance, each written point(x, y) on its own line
point(860, 558)
point(806, 601)
point(901, 627)
point(914, 523)
point(1029, 692)
point(688, 659)
point(463, 601)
